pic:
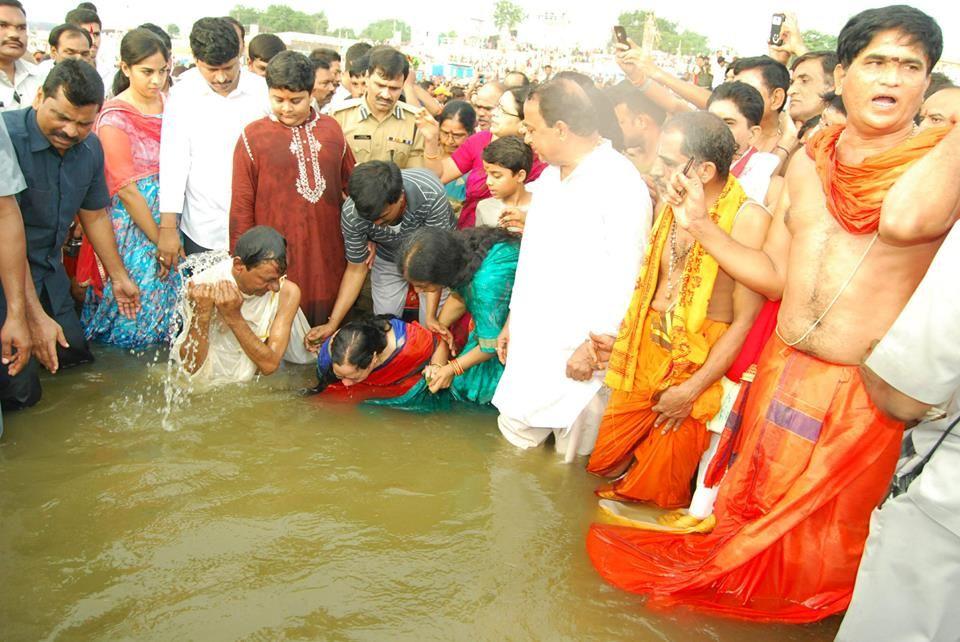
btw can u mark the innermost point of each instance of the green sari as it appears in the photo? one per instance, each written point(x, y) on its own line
point(487, 297)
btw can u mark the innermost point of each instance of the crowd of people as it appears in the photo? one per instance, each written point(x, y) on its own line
point(732, 297)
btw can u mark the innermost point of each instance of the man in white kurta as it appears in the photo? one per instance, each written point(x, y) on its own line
point(583, 243)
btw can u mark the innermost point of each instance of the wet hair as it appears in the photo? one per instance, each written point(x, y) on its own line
point(374, 185)
point(264, 46)
point(775, 74)
point(561, 99)
point(83, 17)
point(449, 257)
point(835, 100)
point(828, 62)
point(80, 82)
point(919, 28)
point(355, 343)
point(607, 124)
point(636, 101)
point(319, 63)
point(355, 51)
point(261, 243)
point(214, 41)
point(159, 33)
point(705, 138)
point(326, 54)
point(291, 70)
point(236, 24)
point(16, 4)
point(509, 152)
point(938, 81)
point(57, 33)
point(389, 62)
point(746, 98)
point(137, 45)
point(462, 111)
point(89, 6)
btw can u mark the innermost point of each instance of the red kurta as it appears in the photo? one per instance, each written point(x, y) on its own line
point(276, 186)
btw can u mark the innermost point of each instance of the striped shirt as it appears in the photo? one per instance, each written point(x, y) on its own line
point(427, 206)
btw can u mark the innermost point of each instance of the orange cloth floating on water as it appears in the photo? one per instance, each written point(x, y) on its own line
point(793, 510)
point(855, 193)
point(664, 464)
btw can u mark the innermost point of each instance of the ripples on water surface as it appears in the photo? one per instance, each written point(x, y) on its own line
point(266, 516)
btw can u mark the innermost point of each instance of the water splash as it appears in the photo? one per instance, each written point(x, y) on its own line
point(177, 385)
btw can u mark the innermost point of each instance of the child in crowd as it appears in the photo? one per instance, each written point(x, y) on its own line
point(507, 162)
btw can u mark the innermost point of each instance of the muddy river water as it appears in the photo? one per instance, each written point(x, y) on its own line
point(266, 515)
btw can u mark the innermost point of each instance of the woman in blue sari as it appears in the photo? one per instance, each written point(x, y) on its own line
point(478, 265)
point(129, 130)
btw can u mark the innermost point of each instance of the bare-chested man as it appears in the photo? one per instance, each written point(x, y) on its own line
point(815, 454)
point(685, 325)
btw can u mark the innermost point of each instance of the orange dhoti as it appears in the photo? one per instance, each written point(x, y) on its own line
point(663, 464)
point(793, 510)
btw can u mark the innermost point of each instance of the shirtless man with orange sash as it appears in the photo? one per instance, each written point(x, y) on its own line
point(814, 456)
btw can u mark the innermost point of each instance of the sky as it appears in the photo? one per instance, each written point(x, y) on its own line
point(744, 29)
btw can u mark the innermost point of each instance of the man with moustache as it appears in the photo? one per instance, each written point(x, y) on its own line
point(380, 126)
point(19, 81)
point(811, 78)
point(62, 164)
point(204, 116)
point(810, 454)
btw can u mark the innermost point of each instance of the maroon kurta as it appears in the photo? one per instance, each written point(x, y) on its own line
point(274, 185)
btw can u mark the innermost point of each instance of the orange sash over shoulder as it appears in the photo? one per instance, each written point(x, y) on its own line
point(689, 349)
point(855, 193)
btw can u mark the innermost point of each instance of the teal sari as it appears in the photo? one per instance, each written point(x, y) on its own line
point(487, 297)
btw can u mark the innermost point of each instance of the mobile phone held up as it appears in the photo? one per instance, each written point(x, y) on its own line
point(776, 26)
point(620, 35)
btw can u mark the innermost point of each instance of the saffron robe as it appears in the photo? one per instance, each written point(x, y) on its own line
point(302, 202)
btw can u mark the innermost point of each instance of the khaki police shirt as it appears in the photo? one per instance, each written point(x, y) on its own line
point(396, 138)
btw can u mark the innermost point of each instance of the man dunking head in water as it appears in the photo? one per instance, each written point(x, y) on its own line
point(239, 313)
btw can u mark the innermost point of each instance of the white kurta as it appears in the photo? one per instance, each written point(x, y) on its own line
point(226, 361)
point(581, 253)
point(755, 177)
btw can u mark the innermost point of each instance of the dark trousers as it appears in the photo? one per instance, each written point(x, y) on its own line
point(24, 390)
point(192, 247)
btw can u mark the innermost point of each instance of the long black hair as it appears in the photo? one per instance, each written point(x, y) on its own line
point(137, 45)
point(355, 343)
point(447, 257)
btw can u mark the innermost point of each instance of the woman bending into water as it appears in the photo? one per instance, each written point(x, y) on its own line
point(375, 357)
point(478, 265)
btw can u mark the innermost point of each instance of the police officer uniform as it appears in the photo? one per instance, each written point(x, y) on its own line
point(396, 138)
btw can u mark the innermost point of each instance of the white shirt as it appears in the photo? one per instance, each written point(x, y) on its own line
point(755, 177)
point(340, 96)
point(200, 131)
point(581, 253)
point(26, 81)
point(920, 357)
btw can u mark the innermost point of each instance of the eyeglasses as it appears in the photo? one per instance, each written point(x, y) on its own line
point(502, 110)
point(456, 137)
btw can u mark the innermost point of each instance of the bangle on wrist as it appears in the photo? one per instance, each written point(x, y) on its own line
point(168, 227)
point(457, 368)
point(783, 149)
point(645, 85)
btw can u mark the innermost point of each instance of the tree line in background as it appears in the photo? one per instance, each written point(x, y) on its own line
point(506, 15)
point(278, 18)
